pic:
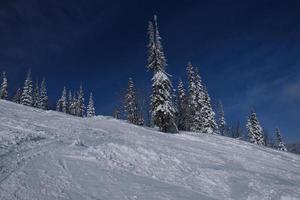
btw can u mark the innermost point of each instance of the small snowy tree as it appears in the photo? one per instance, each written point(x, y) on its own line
point(17, 97)
point(26, 97)
point(280, 144)
point(61, 104)
point(36, 95)
point(130, 104)
point(72, 103)
point(116, 113)
point(221, 120)
point(255, 131)
point(43, 104)
point(69, 102)
point(182, 107)
point(80, 107)
point(91, 109)
point(3, 90)
point(163, 110)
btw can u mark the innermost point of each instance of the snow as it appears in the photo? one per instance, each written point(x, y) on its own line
point(51, 155)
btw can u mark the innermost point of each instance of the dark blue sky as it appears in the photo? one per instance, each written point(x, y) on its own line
point(248, 52)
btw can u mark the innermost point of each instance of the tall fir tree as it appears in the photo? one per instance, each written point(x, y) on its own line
point(209, 124)
point(80, 107)
point(182, 107)
point(26, 97)
point(36, 95)
point(280, 144)
point(91, 109)
point(4, 85)
point(17, 97)
point(130, 104)
point(43, 100)
point(162, 107)
point(193, 111)
point(255, 131)
point(221, 119)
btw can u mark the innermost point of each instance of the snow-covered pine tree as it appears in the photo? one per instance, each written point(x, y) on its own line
point(91, 109)
point(3, 90)
point(116, 113)
point(221, 120)
point(280, 144)
point(195, 100)
point(17, 97)
point(73, 104)
point(80, 107)
point(130, 104)
point(26, 97)
point(61, 104)
point(64, 100)
point(192, 119)
point(36, 95)
point(182, 107)
point(163, 110)
point(58, 105)
point(255, 131)
point(43, 104)
point(69, 102)
point(209, 124)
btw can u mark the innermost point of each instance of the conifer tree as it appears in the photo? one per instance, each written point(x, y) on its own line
point(195, 100)
point(43, 100)
point(255, 131)
point(17, 97)
point(116, 113)
point(91, 109)
point(182, 107)
point(73, 104)
point(280, 144)
point(26, 97)
point(163, 110)
point(3, 89)
point(80, 107)
point(208, 116)
point(221, 119)
point(69, 102)
point(192, 99)
point(36, 95)
point(61, 105)
point(131, 107)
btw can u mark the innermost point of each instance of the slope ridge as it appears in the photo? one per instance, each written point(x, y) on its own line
point(50, 155)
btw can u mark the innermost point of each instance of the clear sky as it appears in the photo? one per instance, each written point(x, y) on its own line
point(248, 52)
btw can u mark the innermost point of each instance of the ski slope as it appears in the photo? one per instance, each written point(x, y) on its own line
point(46, 155)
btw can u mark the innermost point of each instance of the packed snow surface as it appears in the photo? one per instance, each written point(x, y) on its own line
point(50, 155)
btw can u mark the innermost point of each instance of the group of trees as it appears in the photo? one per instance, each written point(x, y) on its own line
point(191, 109)
point(37, 97)
point(74, 104)
point(27, 96)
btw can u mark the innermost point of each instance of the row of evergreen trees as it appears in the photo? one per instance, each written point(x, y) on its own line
point(192, 109)
point(74, 103)
point(37, 97)
point(28, 96)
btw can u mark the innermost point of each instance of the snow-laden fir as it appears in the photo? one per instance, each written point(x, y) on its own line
point(51, 155)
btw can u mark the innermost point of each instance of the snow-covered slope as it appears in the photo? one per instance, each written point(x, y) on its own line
point(49, 155)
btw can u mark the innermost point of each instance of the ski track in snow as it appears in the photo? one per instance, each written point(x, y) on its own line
point(49, 155)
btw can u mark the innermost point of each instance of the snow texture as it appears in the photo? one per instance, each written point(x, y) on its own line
point(50, 155)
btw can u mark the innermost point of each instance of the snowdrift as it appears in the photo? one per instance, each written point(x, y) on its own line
point(50, 155)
